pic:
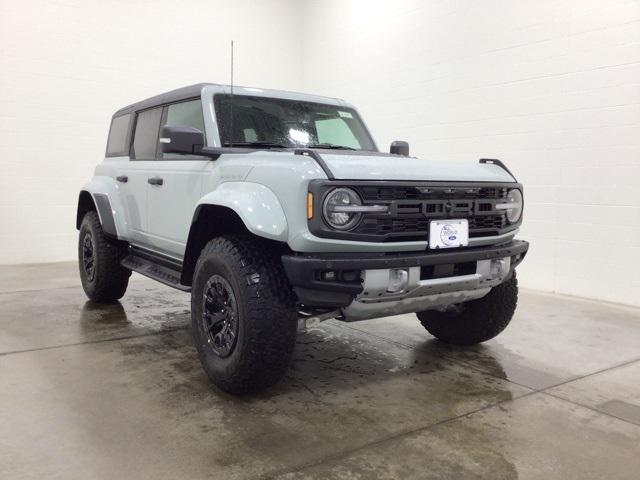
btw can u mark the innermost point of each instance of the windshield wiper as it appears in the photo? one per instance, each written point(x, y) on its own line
point(331, 146)
point(257, 144)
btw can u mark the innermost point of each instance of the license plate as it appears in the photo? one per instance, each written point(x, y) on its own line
point(448, 233)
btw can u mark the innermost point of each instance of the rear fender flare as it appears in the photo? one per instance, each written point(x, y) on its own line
point(106, 198)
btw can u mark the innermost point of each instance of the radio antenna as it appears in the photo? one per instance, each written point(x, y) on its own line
point(231, 102)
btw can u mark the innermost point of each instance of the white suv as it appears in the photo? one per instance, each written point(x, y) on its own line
point(270, 207)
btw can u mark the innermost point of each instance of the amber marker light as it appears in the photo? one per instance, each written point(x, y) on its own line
point(309, 206)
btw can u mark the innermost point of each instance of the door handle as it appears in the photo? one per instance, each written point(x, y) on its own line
point(122, 178)
point(155, 181)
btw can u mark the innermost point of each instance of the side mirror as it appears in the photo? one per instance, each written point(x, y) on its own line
point(398, 147)
point(181, 139)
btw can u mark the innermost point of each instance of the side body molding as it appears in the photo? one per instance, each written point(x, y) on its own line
point(106, 198)
point(257, 206)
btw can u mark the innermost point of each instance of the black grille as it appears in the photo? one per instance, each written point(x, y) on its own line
point(383, 226)
point(375, 193)
point(411, 208)
point(419, 227)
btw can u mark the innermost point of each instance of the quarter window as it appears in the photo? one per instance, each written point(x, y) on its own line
point(117, 142)
point(145, 139)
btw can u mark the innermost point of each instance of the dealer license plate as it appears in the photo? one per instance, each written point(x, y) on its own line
point(448, 233)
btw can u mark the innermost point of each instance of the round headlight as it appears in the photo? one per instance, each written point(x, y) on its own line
point(336, 208)
point(514, 199)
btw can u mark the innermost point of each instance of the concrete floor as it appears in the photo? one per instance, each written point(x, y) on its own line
point(101, 392)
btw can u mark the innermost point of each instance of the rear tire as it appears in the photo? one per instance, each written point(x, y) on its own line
point(474, 321)
point(103, 279)
point(243, 314)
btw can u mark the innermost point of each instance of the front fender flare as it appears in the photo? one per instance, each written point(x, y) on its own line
point(256, 205)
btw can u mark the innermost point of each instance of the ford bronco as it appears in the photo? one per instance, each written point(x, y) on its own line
point(272, 207)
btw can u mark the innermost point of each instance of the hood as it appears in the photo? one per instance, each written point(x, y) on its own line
point(386, 167)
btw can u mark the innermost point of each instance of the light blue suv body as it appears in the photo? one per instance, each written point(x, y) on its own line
point(360, 233)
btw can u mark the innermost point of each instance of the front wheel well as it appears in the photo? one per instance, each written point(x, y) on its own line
point(85, 205)
point(210, 221)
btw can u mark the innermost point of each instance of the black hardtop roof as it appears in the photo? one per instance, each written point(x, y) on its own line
point(193, 91)
point(176, 95)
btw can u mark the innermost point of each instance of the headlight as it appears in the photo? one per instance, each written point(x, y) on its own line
point(339, 206)
point(513, 205)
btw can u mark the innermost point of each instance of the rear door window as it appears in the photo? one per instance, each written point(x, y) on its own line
point(145, 138)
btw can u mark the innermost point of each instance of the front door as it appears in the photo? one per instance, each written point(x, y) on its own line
point(171, 204)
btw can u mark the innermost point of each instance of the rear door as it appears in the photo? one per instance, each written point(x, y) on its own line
point(139, 171)
point(171, 205)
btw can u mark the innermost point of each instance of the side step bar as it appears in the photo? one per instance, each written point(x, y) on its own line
point(156, 267)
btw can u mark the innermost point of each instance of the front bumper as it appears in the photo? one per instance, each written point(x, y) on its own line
point(307, 273)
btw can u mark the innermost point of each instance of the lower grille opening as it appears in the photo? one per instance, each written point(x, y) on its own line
point(447, 270)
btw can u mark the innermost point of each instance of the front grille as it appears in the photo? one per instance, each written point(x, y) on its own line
point(411, 208)
point(419, 227)
point(383, 226)
point(375, 193)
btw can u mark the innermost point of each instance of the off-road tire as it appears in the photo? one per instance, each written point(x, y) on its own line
point(266, 314)
point(474, 321)
point(109, 280)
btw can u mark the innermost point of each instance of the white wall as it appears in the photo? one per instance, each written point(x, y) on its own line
point(550, 87)
point(67, 65)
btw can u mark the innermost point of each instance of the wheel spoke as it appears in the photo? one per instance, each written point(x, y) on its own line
point(219, 318)
point(214, 319)
point(229, 336)
point(88, 256)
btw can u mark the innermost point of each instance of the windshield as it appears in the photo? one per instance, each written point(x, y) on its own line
point(275, 122)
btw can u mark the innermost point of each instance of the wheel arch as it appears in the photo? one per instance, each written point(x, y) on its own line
point(98, 202)
point(85, 204)
point(213, 219)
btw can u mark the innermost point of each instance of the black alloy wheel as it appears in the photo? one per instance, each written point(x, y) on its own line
point(88, 257)
point(243, 313)
point(103, 277)
point(220, 316)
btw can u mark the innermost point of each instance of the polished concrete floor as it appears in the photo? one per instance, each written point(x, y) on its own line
point(113, 392)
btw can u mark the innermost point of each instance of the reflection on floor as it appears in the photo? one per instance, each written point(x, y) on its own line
point(116, 391)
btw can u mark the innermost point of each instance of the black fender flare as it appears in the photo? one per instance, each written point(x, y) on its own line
point(101, 205)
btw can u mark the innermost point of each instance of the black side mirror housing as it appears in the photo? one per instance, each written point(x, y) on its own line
point(181, 139)
point(398, 147)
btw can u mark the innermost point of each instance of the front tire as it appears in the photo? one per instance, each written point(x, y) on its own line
point(474, 321)
point(103, 278)
point(243, 314)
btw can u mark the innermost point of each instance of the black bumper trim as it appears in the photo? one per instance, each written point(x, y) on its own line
point(301, 268)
